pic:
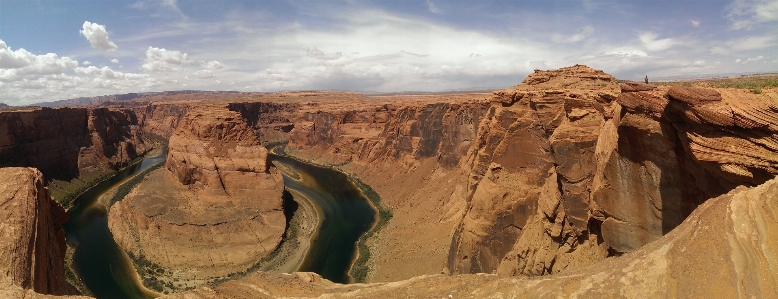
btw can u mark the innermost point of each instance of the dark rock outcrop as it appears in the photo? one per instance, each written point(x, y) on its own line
point(66, 142)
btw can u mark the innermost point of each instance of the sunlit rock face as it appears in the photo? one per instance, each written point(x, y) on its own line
point(214, 210)
point(570, 167)
point(32, 242)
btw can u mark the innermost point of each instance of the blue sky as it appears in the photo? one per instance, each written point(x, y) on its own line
point(51, 50)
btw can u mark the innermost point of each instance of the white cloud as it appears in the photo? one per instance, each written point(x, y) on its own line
point(97, 36)
point(318, 54)
point(744, 14)
point(21, 64)
point(582, 34)
point(752, 43)
point(652, 44)
point(432, 8)
point(626, 53)
point(749, 43)
point(212, 65)
point(204, 74)
point(107, 73)
point(695, 23)
point(754, 59)
point(86, 62)
point(114, 61)
point(162, 60)
point(168, 5)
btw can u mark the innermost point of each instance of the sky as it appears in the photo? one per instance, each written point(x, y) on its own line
point(53, 50)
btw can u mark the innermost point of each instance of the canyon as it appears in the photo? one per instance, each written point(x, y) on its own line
point(569, 184)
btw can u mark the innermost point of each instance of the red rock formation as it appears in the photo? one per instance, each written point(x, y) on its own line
point(33, 242)
point(66, 142)
point(725, 249)
point(215, 210)
point(531, 168)
point(409, 132)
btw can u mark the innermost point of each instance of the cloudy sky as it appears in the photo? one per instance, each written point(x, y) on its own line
point(52, 50)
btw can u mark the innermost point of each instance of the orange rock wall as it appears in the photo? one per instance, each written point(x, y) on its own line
point(32, 249)
point(64, 142)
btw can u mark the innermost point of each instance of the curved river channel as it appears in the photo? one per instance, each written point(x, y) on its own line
point(345, 215)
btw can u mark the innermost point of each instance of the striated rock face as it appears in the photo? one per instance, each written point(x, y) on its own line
point(67, 142)
point(215, 210)
point(161, 118)
point(531, 169)
point(570, 168)
point(725, 248)
point(33, 242)
point(406, 132)
point(407, 149)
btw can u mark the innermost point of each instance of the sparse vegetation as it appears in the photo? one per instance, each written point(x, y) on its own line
point(70, 275)
point(125, 188)
point(360, 270)
point(754, 83)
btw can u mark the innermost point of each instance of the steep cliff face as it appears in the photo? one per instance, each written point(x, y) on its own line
point(33, 242)
point(65, 143)
point(725, 249)
point(570, 168)
point(530, 171)
point(161, 118)
point(215, 210)
point(272, 121)
point(404, 131)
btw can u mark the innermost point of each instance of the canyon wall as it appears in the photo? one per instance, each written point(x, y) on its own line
point(570, 168)
point(408, 151)
point(33, 246)
point(216, 208)
point(724, 249)
point(65, 143)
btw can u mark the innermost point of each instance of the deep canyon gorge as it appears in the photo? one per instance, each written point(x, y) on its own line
point(570, 184)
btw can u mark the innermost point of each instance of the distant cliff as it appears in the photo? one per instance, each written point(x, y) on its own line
point(70, 143)
point(91, 101)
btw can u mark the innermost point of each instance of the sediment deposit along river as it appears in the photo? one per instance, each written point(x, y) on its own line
point(97, 260)
point(344, 212)
point(345, 215)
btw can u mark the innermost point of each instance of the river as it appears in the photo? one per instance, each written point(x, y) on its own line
point(345, 214)
point(102, 266)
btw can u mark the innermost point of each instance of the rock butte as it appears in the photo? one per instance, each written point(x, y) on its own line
point(593, 188)
point(214, 211)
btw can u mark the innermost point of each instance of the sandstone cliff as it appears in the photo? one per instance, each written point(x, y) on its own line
point(70, 143)
point(216, 209)
point(570, 168)
point(33, 242)
point(407, 149)
point(724, 249)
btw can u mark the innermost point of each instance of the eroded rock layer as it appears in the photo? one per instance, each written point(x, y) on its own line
point(32, 242)
point(570, 168)
point(726, 248)
point(216, 208)
point(64, 143)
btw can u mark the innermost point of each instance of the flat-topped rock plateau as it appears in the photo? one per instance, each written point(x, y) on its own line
point(570, 184)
